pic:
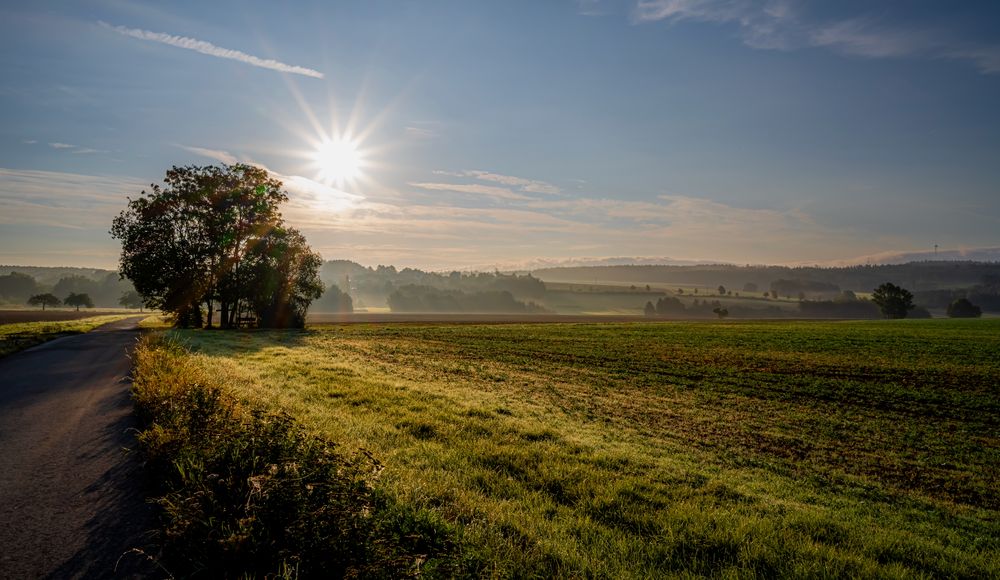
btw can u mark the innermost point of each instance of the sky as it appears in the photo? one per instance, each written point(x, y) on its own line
point(505, 134)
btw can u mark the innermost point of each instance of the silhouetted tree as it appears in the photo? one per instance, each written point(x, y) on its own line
point(894, 301)
point(44, 300)
point(79, 300)
point(650, 310)
point(720, 312)
point(214, 236)
point(722, 290)
point(963, 308)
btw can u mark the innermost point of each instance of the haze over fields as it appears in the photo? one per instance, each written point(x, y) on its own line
point(453, 135)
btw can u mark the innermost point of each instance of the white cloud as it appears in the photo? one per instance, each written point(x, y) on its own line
point(781, 25)
point(419, 132)
point(528, 185)
point(210, 49)
point(217, 154)
point(61, 146)
point(491, 191)
point(63, 200)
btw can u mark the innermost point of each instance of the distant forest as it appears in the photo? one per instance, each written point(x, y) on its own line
point(18, 283)
point(750, 291)
point(916, 276)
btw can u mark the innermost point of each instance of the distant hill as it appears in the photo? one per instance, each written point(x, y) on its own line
point(915, 276)
point(51, 275)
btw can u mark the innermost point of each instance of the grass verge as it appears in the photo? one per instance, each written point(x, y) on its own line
point(247, 492)
point(19, 336)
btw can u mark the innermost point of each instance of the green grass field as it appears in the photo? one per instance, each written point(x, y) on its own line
point(21, 335)
point(642, 450)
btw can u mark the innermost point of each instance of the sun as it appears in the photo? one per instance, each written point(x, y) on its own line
point(339, 160)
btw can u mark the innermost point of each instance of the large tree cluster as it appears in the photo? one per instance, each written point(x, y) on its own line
point(212, 240)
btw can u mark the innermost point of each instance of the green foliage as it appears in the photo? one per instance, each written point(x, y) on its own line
point(214, 236)
point(963, 308)
point(894, 301)
point(251, 493)
point(737, 449)
point(79, 300)
point(43, 300)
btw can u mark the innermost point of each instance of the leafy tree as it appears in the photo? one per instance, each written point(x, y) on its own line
point(722, 290)
point(649, 311)
point(894, 301)
point(963, 308)
point(44, 300)
point(213, 236)
point(283, 274)
point(131, 299)
point(79, 300)
point(720, 312)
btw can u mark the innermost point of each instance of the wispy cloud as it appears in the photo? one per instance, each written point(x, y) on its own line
point(420, 131)
point(61, 146)
point(785, 25)
point(528, 185)
point(520, 184)
point(210, 49)
point(478, 189)
point(217, 154)
point(63, 200)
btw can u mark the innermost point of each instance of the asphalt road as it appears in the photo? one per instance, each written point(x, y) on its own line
point(71, 503)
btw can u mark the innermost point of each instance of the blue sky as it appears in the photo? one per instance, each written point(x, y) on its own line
point(507, 133)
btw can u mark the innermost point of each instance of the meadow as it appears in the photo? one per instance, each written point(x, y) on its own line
point(715, 449)
point(23, 329)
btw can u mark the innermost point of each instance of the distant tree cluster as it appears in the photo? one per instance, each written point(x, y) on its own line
point(416, 298)
point(372, 286)
point(963, 308)
point(803, 288)
point(895, 302)
point(213, 237)
point(334, 300)
point(102, 287)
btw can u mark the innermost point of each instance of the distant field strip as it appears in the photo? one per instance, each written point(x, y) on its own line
point(643, 450)
point(19, 336)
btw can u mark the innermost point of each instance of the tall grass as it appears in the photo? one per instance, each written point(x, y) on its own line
point(247, 492)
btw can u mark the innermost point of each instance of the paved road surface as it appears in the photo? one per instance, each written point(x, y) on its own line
point(70, 498)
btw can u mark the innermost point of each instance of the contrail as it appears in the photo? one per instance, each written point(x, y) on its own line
point(212, 50)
